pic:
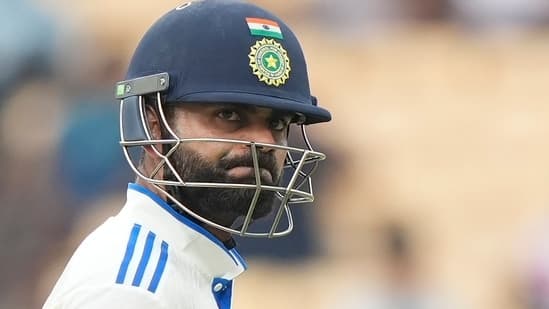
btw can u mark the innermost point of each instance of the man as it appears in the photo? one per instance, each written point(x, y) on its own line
point(212, 94)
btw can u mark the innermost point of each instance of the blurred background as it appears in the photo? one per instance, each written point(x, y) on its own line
point(435, 193)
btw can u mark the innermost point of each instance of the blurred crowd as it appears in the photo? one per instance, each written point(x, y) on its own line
point(63, 171)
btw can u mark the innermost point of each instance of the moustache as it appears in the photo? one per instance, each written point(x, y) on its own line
point(264, 160)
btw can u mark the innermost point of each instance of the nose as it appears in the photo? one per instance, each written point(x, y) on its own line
point(262, 134)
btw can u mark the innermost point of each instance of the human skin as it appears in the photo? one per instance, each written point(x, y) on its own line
point(227, 121)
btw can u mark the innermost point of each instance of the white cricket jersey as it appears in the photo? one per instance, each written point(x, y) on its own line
point(148, 256)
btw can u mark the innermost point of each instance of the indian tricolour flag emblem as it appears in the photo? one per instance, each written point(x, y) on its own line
point(264, 27)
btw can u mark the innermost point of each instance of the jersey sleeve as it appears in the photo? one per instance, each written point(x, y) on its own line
point(113, 296)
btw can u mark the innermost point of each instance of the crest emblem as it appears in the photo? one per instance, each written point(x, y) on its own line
point(270, 62)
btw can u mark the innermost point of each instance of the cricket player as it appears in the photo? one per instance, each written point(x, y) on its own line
point(212, 94)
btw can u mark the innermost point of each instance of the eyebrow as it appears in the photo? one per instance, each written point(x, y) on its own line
point(236, 106)
point(252, 108)
point(274, 113)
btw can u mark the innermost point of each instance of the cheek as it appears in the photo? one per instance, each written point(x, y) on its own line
point(280, 157)
point(209, 151)
point(282, 138)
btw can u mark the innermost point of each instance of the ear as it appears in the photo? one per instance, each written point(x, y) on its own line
point(153, 122)
point(155, 131)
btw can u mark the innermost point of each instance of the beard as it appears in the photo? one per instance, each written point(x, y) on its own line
point(223, 206)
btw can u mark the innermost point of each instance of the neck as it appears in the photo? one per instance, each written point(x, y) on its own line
point(219, 234)
point(151, 188)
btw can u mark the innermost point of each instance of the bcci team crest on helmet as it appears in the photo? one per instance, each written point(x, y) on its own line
point(270, 62)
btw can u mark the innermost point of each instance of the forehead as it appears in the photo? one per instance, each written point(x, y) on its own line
point(247, 108)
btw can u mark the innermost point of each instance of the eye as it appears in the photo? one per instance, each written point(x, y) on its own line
point(229, 115)
point(279, 124)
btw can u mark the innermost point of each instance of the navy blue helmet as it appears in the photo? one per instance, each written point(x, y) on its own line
point(222, 52)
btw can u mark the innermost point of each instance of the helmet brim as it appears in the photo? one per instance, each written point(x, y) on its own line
point(313, 114)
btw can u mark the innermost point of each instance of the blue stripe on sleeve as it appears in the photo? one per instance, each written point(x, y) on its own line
point(144, 259)
point(129, 254)
point(159, 267)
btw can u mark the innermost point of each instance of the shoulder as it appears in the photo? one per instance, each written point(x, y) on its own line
point(140, 258)
point(109, 296)
point(120, 257)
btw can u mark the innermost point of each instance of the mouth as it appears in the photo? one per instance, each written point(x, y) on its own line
point(248, 172)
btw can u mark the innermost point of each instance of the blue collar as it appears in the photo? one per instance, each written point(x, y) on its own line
point(199, 229)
